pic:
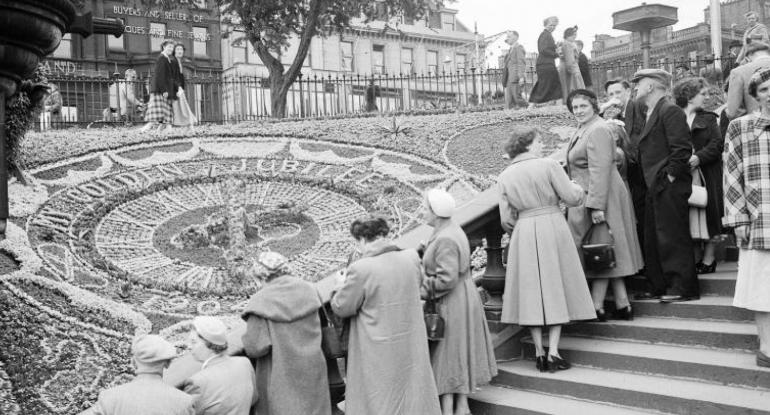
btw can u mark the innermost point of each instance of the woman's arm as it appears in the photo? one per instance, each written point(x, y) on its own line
point(348, 300)
point(256, 340)
point(736, 212)
point(447, 272)
point(568, 191)
point(508, 214)
point(712, 151)
point(600, 149)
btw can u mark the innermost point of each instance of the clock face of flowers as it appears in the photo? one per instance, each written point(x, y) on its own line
point(158, 227)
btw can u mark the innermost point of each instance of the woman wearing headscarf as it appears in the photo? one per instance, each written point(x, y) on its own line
point(544, 281)
point(464, 358)
point(747, 208)
point(548, 87)
point(388, 367)
point(283, 334)
point(591, 162)
point(569, 70)
point(162, 90)
point(705, 223)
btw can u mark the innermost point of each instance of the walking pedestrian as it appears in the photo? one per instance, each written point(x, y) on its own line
point(162, 90)
point(585, 66)
point(514, 70)
point(569, 70)
point(747, 208)
point(665, 150)
point(544, 281)
point(464, 359)
point(183, 115)
point(591, 163)
point(548, 87)
point(388, 371)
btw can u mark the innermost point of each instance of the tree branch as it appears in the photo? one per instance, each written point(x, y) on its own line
point(304, 44)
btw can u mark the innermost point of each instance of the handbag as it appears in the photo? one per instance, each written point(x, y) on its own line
point(332, 343)
point(434, 323)
point(598, 256)
point(699, 196)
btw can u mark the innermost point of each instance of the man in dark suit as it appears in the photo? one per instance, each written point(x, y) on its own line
point(513, 71)
point(585, 67)
point(664, 152)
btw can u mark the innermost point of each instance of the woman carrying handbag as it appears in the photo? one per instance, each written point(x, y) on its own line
point(705, 220)
point(591, 163)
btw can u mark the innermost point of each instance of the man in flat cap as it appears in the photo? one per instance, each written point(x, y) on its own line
point(739, 101)
point(147, 394)
point(225, 385)
point(664, 152)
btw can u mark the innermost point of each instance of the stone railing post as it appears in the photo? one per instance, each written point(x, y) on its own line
point(493, 280)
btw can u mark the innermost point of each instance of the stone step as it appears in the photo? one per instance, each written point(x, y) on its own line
point(706, 308)
point(669, 395)
point(721, 283)
point(725, 367)
point(675, 331)
point(497, 400)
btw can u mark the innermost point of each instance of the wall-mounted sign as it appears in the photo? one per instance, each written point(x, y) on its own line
point(158, 14)
point(60, 67)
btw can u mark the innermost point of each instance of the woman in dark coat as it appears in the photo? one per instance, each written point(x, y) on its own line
point(548, 87)
point(162, 89)
point(707, 145)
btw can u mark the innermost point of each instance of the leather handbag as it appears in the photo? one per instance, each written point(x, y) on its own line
point(434, 323)
point(332, 343)
point(699, 196)
point(598, 256)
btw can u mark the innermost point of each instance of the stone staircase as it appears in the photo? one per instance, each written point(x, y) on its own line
point(683, 358)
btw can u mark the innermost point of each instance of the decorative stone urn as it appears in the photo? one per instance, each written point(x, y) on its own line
point(29, 31)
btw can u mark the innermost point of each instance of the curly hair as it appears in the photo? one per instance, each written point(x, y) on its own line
point(687, 89)
point(369, 228)
point(520, 140)
point(585, 94)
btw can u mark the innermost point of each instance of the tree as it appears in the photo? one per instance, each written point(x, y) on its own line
point(270, 24)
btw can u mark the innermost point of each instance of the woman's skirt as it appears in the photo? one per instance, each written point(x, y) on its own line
point(183, 115)
point(752, 287)
point(548, 86)
point(158, 109)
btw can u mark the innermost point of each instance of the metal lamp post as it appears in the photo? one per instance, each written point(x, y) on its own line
point(643, 19)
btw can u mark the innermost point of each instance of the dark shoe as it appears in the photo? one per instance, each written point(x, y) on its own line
point(702, 268)
point(763, 360)
point(601, 316)
point(677, 298)
point(541, 363)
point(647, 296)
point(557, 363)
point(625, 313)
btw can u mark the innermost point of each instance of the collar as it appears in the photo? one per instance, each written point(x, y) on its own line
point(148, 376)
point(761, 123)
point(523, 157)
point(209, 360)
point(379, 247)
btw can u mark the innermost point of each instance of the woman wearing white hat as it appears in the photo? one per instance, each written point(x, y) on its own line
point(283, 334)
point(544, 281)
point(464, 358)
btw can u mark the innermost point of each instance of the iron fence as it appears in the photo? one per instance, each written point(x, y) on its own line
point(94, 102)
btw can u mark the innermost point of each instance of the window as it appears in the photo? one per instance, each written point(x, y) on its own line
point(115, 43)
point(460, 62)
point(407, 60)
point(157, 34)
point(346, 56)
point(239, 48)
point(434, 19)
point(65, 47)
point(378, 59)
point(448, 21)
point(432, 61)
point(200, 41)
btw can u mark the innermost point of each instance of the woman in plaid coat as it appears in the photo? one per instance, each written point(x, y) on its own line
point(162, 89)
point(747, 207)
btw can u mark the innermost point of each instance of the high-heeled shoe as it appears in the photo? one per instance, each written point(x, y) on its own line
point(557, 363)
point(625, 313)
point(702, 268)
point(541, 363)
point(601, 315)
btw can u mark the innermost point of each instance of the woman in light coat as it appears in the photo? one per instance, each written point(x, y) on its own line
point(183, 115)
point(464, 358)
point(283, 334)
point(544, 282)
point(591, 163)
point(569, 69)
point(388, 370)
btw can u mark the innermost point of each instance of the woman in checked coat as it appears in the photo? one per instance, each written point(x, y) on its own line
point(464, 358)
point(544, 281)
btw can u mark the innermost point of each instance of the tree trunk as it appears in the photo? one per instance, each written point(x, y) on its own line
point(278, 101)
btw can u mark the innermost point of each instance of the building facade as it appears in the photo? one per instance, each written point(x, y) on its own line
point(411, 61)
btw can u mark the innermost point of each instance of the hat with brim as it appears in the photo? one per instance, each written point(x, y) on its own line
point(211, 329)
point(657, 74)
point(758, 78)
point(151, 348)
